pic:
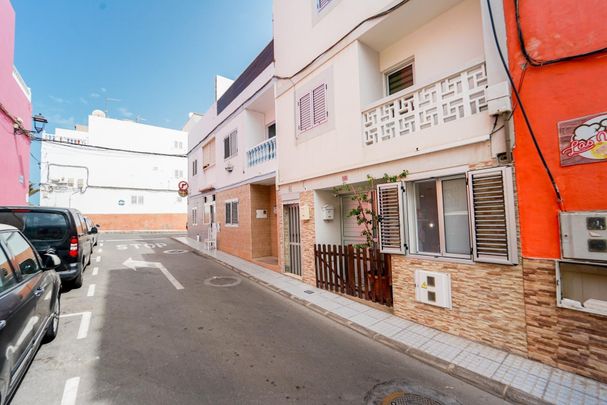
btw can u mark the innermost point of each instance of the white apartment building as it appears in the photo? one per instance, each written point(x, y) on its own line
point(232, 165)
point(123, 175)
point(366, 88)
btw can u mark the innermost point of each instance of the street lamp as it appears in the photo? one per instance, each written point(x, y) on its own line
point(39, 122)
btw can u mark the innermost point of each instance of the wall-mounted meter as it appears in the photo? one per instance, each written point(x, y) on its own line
point(328, 212)
point(584, 235)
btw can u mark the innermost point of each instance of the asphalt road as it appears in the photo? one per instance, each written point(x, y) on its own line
point(132, 337)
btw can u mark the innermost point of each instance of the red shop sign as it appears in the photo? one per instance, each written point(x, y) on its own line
point(583, 140)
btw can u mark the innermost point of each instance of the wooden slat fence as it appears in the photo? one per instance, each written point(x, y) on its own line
point(360, 272)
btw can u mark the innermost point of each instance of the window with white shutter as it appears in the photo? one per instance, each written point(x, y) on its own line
point(319, 104)
point(305, 113)
point(492, 215)
point(391, 217)
point(312, 108)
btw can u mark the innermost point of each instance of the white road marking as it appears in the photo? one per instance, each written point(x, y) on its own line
point(133, 264)
point(99, 250)
point(130, 240)
point(91, 291)
point(98, 259)
point(85, 322)
point(70, 391)
point(95, 271)
point(100, 244)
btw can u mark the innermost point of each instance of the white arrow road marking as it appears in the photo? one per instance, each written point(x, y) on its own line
point(70, 391)
point(83, 330)
point(133, 264)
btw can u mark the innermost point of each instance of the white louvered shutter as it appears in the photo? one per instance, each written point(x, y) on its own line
point(320, 4)
point(391, 212)
point(319, 104)
point(492, 215)
point(305, 112)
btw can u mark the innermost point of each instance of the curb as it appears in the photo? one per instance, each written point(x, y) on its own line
point(499, 389)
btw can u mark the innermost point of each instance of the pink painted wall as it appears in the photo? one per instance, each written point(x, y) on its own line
point(14, 150)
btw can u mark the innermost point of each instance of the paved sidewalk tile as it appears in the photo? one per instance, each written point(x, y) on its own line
point(534, 378)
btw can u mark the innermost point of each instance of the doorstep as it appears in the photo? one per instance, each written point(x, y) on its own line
point(512, 377)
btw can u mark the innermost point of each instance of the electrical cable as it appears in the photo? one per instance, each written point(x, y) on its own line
point(523, 111)
point(76, 145)
point(538, 62)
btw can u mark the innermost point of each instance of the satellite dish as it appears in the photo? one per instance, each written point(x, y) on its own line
point(98, 113)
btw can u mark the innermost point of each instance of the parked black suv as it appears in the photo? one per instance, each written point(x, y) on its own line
point(29, 306)
point(62, 231)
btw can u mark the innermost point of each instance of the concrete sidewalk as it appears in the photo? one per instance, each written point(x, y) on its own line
point(512, 377)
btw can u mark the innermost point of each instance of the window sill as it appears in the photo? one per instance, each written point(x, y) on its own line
point(441, 258)
point(582, 309)
point(231, 225)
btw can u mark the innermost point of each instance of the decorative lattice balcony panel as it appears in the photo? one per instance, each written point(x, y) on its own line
point(455, 97)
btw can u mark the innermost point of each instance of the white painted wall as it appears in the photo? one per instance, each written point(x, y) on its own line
point(111, 176)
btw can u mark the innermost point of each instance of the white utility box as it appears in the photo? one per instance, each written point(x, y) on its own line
point(328, 212)
point(433, 288)
point(498, 98)
point(584, 235)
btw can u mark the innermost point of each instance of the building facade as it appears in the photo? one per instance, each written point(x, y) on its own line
point(387, 87)
point(15, 111)
point(232, 165)
point(123, 175)
point(563, 231)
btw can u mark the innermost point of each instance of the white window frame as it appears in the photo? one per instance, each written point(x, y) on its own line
point(402, 65)
point(231, 203)
point(401, 190)
point(194, 216)
point(268, 130)
point(559, 287)
point(310, 95)
point(412, 225)
point(232, 138)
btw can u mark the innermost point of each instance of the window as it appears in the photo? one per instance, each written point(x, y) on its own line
point(231, 212)
point(194, 216)
point(133, 199)
point(230, 145)
point(271, 131)
point(140, 200)
point(178, 174)
point(37, 226)
point(208, 154)
point(22, 252)
point(399, 79)
point(195, 167)
point(137, 200)
point(391, 221)
point(582, 286)
point(7, 277)
point(80, 183)
point(321, 4)
point(313, 108)
point(178, 144)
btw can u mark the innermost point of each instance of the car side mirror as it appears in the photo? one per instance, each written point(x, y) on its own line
point(94, 230)
point(50, 261)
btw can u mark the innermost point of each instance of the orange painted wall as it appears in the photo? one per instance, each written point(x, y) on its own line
point(551, 94)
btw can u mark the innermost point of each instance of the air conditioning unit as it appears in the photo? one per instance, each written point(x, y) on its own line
point(433, 288)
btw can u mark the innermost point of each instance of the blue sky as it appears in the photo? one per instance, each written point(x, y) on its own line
point(158, 57)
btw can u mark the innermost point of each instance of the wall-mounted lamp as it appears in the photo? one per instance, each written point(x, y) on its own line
point(39, 123)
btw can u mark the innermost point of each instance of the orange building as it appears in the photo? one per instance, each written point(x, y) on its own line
point(558, 62)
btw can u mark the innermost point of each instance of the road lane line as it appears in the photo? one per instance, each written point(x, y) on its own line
point(99, 250)
point(91, 291)
point(172, 279)
point(85, 321)
point(95, 271)
point(98, 259)
point(70, 391)
point(101, 244)
point(138, 240)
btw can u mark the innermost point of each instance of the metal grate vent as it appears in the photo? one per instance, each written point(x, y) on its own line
point(489, 206)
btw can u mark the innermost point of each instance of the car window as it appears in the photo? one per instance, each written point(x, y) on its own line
point(25, 258)
point(78, 221)
point(38, 226)
point(7, 277)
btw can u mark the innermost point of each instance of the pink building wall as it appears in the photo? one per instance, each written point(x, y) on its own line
point(14, 149)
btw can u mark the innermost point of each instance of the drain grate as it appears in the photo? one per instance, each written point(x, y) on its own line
point(399, 392)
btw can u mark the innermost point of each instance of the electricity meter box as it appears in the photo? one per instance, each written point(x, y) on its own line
point(328, 212)
point(584, 235)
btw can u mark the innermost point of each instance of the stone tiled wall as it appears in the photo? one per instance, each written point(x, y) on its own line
point(308, 239)
point(568, 339)
point(487, 301)
point(139, 222)
point(235, 240)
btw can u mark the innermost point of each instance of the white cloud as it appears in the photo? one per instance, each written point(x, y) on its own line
point(58, 100)
point(95, 95)
point(125, 112)
point(83, 100)
point(103, 89)
point(61, 121)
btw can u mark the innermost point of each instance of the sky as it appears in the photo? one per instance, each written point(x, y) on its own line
point(157, 57)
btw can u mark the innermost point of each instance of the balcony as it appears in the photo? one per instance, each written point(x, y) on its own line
point(26, 90)
point(457, 96)
point(262, 152)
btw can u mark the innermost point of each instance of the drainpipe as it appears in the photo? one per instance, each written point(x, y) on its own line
point(505, 117)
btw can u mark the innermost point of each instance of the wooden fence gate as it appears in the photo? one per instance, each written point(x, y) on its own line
point(361, 272)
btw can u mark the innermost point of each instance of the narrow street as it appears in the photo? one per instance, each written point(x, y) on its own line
point(157, 335)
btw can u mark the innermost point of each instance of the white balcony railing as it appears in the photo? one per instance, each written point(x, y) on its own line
point(455, 97)
point(261, 153)
point(26, 90)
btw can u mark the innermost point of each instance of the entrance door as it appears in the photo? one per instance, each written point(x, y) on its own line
point(294, 243)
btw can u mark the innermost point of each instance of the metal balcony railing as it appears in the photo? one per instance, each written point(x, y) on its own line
point(262, 153)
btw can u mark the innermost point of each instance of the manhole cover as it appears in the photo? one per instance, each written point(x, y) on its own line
point(175, 251)
point(219, 281)
point(398, 392)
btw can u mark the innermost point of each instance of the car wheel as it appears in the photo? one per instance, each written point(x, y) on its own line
point(77, 283)
point(53, 327)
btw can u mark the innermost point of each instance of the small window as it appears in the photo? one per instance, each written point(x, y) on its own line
point(208, 154)
point(178, 174)
point(140, 200)
point(194, 216)
point(231, 213)
point(133, 199)
point(22, 252)
point(400, 79)
point(582, 286)
point(230, 145)
point(195, 167)
point(272, 131)
point(313, 108)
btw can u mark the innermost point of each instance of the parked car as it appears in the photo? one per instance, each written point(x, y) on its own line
point(90, 226)
point(62, 231)
point(29, 306)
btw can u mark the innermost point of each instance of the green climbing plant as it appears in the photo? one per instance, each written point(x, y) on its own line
point(363, 212)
